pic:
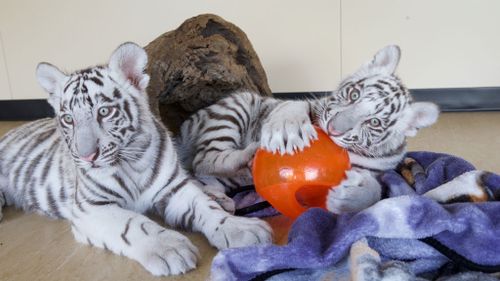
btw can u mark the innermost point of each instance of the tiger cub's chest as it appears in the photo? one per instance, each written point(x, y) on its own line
point(136, 185)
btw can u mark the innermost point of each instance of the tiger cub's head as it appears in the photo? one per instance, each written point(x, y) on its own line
point(372, 112)
point(100, 109)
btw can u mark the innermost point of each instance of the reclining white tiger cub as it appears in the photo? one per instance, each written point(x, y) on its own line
point(370, 114)
point(104, 160)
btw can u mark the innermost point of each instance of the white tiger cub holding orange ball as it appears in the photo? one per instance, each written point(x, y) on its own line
point(370, 114)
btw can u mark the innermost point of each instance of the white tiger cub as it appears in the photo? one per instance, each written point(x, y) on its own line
point(371, 114)
point(218, 143)
point(105, 159)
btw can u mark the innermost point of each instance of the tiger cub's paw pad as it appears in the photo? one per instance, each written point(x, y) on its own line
point(241, 232)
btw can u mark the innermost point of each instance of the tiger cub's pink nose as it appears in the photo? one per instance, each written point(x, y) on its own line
point(91, 157)
point(331, 129)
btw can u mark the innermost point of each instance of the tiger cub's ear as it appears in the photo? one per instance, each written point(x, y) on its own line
point(421, 115)
point(129, 61)
point(386, 60)
point(52, 80)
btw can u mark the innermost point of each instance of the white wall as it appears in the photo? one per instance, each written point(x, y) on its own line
point(4, 81)
point(303, 45)
point(298, 43)
point(445, 43)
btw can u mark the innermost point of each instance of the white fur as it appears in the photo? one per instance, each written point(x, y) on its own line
point(297, 128)
point(422, 114)
point(359, 190)
point(218, 143)
point(105, 202)
point(349, 119)
point(51, 79)
point(386, 60)
point(465, 184)
point(129, 61)
point(288, 129)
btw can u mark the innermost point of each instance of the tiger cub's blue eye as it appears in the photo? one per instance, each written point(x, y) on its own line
point(354, 95)
point(104, 111)
point(68, 119)
point(374, 122)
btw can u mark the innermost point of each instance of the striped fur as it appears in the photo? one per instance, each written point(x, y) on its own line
point(104, 160)
point(218, 143)
point(370, 114)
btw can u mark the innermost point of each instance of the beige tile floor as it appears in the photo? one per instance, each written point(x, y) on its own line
point(36, 248)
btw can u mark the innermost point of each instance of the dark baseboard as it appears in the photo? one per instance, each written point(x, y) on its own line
point(461, 99)
point(20, 110)
point(449, 100)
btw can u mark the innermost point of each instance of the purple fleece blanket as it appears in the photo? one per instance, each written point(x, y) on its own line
point(320, 239)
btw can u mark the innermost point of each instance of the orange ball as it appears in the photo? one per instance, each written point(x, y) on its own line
point(294, 183)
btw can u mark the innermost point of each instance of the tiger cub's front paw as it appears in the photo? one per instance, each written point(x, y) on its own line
point(288, 129)
point(241, 232)
point(166, 253)
point(357, 192)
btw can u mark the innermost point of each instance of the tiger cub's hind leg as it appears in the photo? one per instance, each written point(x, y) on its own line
point(227, 162)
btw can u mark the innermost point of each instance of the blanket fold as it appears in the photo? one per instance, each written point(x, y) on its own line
point(319, 239)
